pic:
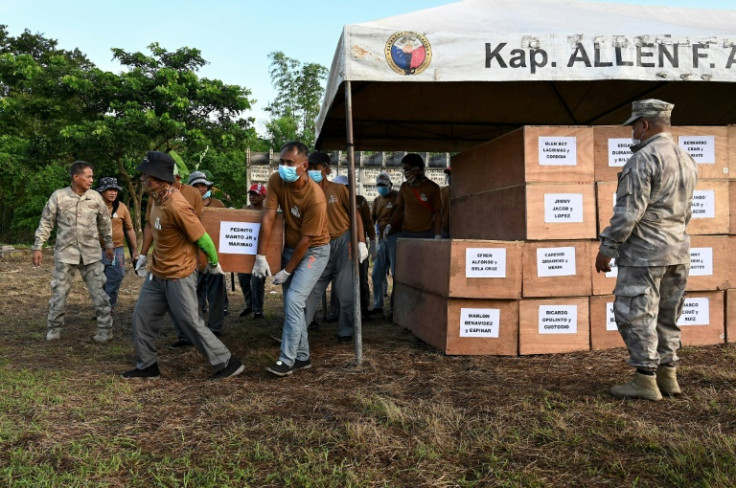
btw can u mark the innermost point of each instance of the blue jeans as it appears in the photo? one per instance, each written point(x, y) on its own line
point(294, 340)
point(114, 272)
point(385, 260)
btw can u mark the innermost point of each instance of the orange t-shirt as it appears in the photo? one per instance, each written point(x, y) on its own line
point(338, 208)
point(176, 229)
point(383, 209)
point(191, 195)
point(418, 215)
point(305, 210)
point(121, 222)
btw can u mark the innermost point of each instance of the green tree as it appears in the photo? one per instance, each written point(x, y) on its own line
point(299, 92)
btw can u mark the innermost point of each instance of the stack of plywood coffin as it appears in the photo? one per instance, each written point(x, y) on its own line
point(518, 275)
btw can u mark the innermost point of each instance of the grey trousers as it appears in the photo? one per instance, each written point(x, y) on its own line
point(179, 298)
point(648, 303)
point(93, 275)
point(340, 268)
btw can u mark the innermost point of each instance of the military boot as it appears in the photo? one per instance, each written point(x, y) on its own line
point(641, 386)
point(103, 335)
point(667, 380)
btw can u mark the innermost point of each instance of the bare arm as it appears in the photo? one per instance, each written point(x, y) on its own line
point(147, 239)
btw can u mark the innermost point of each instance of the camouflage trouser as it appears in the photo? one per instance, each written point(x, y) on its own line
point(648, 303)
point(61, 282)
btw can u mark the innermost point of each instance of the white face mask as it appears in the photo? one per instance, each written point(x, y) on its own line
point(634, 140)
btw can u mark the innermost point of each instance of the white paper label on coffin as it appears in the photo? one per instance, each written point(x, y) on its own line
point(563, 208)
point(485, 263)
point(558, 319)
point(238, 238)
point(480, 322)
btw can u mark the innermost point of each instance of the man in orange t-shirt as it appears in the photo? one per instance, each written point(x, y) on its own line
point(170, 285)
point(306, 250)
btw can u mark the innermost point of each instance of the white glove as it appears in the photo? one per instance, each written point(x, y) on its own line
point(437, 236)
point(386, 231)
point(140, 266)
point(215, 270)
point(280, 277)
point(261, 268)
point(362, 251)
point(372, 250)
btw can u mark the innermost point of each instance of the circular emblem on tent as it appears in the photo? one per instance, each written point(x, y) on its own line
point(408, 53)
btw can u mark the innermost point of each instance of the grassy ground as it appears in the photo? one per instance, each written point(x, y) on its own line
point(408, 417)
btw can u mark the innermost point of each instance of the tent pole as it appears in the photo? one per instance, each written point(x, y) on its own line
point(357, 327)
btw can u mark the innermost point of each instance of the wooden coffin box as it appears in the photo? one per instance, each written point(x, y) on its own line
point(235, 233)
point(701, 322)
point(540, 211)
point(730, 307)
point(531, 154)
point(708, 146)
point(459, 325)
point(711, 266)
point(711, 206)
point(557, 269)
point(611, 151)
point(554, 325)
point(732, 203)
point(461, 268)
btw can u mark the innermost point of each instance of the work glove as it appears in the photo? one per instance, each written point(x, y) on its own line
point(362, 251)
point(281, 277)
point(261, 268)
point(372, 250)
point(214, 269)
point(387, 231)
point(437, 236)
point(140, 266)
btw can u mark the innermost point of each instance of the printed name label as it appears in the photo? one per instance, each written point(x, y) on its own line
point(701, 261)
point(485, 263)
point(558, 319)
point(479, 322)
point(239, 238)
point(704, 204)
point(555, 261)
point(610, 318)
point(619, 151)
point(558, 151)
point(695, 311)
point(563, 208)
point(701, 148)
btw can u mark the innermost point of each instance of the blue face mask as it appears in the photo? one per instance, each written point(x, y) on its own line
point(384, 190)
point(288, 173)
point(315, 174)
point(207, 195)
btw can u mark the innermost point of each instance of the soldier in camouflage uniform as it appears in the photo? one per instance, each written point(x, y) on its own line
point(82, 221)
point(647, 237)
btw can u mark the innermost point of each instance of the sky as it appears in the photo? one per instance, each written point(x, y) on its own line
point(234, 36)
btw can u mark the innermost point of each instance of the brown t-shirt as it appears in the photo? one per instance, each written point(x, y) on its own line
point(176, 228)
point(418, 215)
point(364, 210)
point(121, 223)
point(215, 203)
point(338, 208)
point(445, 194)
point(383, 209)
point(305, 210)
point(191, 195)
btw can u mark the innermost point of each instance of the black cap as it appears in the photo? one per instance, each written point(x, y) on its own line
point(159, 165)
point(318, 157)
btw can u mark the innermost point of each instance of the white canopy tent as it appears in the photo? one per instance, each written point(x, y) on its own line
point(451, 77)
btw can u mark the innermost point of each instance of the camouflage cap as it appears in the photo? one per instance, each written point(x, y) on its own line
point(650, 107)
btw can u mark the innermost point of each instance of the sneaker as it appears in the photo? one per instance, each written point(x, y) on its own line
point(257, 315)
point(280, 369)
point(103, 335)
point(149, 372)
point(246, 312)
point(234, 368)
point(181, 343)
point(299, 364)
point(226, 312)
point(53, 334)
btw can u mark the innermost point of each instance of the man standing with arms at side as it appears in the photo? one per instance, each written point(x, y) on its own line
point(647, 236)
point(171, 283)
point(382, 211)
point(306, 250)
point(252, 286)
point(83, 221)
